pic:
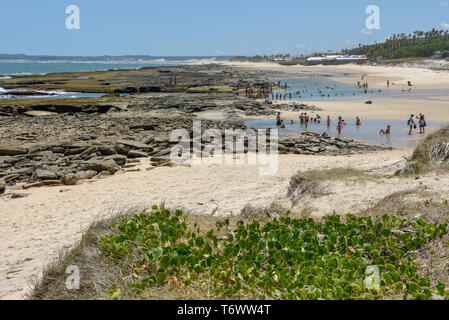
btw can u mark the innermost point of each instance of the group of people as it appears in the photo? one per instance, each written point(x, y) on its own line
point(420, 121)
point(258, 93)
point(413, 123)
point(305, 119)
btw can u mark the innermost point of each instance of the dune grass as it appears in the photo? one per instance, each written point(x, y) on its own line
point(431, 154)
point(311, 183)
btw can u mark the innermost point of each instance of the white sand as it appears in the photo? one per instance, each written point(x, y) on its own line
point(376, 76)
point(35, 228)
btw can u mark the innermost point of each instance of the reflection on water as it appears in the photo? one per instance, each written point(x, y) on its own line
point(368, 131)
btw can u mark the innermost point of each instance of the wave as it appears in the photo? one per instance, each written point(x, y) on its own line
point(201, 61)
point(161, 60)
point(3, 90)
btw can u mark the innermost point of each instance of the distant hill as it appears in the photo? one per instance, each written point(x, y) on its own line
point(105, 58)
point(418, 44)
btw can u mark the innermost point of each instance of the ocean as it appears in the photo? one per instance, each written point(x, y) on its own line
point(8, 69)
point(26, 68)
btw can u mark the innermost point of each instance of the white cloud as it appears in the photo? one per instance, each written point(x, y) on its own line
point(364, 31)
point(444, 25)
point(444, 4)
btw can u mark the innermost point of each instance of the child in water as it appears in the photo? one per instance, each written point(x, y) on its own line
point(386, 132)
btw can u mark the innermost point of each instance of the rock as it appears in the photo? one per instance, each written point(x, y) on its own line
point(86, 175)
point(332, 149)
point(107, 150)
point(102, 165)
point(118, 158)
point(2, 186)
point(135, 145)
point(148, 140)
point(129, 165)
point(137, 154)
point(86, 153)
point(42, 184)
point(19, 195)
point(102, 175)
point(163, 152)
point(69, 179)
point(45, 175)
point(4, 151)
point(437, 298)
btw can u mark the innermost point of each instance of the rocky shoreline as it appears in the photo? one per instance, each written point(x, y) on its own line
point(80, 139)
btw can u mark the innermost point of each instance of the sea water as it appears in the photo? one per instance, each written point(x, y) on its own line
point(367, 132)
point(47, 94)
point(28, 68)
point(324, 88)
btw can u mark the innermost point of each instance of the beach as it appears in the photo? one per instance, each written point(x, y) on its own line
point(48, 219)
point(399, 106)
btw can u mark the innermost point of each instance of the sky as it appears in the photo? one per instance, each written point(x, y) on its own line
point(207, 27)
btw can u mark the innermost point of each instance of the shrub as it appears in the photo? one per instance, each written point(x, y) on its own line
point(281, 259)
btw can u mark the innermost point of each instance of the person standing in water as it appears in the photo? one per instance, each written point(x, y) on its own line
point(422, 124)
point(278, 119)
point(339, 126)
point(358, 121)
point(412, 124)
point(328, 121)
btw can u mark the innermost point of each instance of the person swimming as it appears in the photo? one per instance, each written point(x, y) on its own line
point(387, 131)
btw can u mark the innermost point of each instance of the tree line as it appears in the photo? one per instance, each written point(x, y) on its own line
point(418, 44)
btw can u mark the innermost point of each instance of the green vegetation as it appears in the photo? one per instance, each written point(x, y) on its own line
point(209, 89)
point(417, 44)
point(284, 258)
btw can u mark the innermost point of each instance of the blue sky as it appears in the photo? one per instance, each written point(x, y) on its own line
point(206, 27)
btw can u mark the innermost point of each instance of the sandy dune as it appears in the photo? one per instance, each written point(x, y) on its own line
point(35, 228)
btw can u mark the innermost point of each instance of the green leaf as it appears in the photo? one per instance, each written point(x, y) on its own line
point(161, 276)
point(412, 286)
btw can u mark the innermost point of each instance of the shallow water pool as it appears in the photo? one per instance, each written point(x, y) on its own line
point(368, 131)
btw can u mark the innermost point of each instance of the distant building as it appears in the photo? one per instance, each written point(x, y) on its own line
point(335, 59)
point(320, 54)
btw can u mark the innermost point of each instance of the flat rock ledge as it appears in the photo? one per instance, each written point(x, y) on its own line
point(314, 144)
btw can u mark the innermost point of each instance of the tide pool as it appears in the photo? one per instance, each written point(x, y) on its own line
point(368, 131)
